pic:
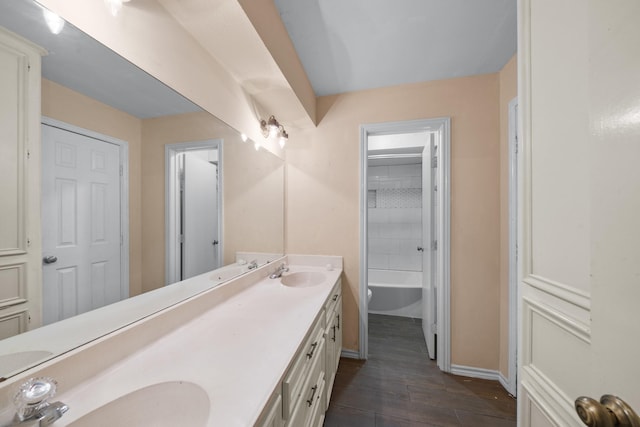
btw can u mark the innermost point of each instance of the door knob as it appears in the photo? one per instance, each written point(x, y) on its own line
point(49, 259)
point(611, 411)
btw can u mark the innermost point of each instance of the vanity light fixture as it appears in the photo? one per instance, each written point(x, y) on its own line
point(54, 22)
point(272, 129)
point(114, 6)
point(284, 137)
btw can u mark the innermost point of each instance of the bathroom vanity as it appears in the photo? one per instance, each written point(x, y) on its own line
point(252, 351)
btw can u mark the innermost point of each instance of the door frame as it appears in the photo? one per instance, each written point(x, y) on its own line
point(442, 128)
point(172, 216)
point(124, 192)
point(514, 243)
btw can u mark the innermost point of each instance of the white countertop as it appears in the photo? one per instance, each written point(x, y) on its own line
point(237, 351)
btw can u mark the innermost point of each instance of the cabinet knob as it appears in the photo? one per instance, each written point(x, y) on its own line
point(313, 394)
point(313, 349)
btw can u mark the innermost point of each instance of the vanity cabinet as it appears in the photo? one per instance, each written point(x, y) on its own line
point(303, 395)
point(272, 415)
point(333, 336)
point(20, 247)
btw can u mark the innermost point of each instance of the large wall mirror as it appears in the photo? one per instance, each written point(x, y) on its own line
point(191, 195)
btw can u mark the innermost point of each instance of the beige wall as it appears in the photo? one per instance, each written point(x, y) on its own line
point(323, 192)
point(253, 190)
point(508, 90)
point(61, 103)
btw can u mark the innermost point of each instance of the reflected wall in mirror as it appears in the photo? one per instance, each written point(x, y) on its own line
point(90, 92)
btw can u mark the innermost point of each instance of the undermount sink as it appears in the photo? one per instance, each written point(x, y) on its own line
point(170, 404)
point(303, 279)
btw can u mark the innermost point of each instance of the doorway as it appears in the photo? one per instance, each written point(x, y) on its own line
point(84, 220)
point(193, 209)
point(423, 146)
point(510, 383)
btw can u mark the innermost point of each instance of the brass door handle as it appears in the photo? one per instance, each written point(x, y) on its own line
point(611, 411)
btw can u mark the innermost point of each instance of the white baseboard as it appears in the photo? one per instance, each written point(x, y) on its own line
point(350, 354)
point(506, 383)
point(485, 374)
point(469, 371)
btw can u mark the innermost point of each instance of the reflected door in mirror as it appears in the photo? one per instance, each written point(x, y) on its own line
point(81, 227)
point(200, 241)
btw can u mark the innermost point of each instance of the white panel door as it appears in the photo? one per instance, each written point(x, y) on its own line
point(579, 66)
point(81, 228)
point(200, 216)
point(428, 250)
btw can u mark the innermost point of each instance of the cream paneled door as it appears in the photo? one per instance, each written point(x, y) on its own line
point(81, 235)
point(579, 68)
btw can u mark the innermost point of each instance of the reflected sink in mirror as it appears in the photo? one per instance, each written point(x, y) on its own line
point(303, 279)
point(169, 404)
point(226, 273)
point(16, 361)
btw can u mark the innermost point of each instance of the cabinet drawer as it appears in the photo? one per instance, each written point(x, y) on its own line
point(330, 305)
point(338, 335)
point(311, 351)
point(318, 410)
point(312, 397)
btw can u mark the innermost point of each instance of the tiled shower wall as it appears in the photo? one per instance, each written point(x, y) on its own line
point(395, 217)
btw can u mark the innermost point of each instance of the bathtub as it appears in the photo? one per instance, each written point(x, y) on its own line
point(396, 293)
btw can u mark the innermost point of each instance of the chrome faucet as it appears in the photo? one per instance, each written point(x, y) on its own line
point(253, 265)
point(33, 409)
point(278, 273)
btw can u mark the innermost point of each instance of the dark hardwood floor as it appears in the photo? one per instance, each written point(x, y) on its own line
point(399, 386)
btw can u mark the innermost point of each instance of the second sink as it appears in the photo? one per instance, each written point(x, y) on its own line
point(303, 279)
point(170, 404)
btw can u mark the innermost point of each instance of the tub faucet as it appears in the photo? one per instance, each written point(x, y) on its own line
point(33, 408)
point(253, 265)
point(278, 273)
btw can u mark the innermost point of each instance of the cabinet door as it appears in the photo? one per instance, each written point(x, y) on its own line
point(338, 343)
point(273, 417)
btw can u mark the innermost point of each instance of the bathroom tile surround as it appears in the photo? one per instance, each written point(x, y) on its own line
point(395, 217)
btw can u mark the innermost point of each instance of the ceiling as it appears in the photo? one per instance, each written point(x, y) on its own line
point(348, 45)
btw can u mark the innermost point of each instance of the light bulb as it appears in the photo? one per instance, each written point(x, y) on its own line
point(54, 22)
point(256, 145)
point(282, 140)
point(244, 137)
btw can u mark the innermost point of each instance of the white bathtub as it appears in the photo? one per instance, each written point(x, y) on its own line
point(396, 293)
